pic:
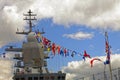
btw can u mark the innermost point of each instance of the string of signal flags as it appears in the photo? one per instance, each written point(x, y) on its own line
point(57, 49)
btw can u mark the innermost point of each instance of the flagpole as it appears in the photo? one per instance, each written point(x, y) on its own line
point(110, 71)
point(106, 39)
point(105, 73)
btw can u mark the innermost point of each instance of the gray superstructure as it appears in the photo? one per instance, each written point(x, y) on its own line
point(31, 63)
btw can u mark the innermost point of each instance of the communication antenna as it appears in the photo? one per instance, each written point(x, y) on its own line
point(28, 17)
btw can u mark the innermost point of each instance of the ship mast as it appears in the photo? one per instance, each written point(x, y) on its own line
point(36, 58)
point(29, 17)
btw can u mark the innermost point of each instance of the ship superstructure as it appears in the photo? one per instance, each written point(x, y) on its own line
point(31, 63)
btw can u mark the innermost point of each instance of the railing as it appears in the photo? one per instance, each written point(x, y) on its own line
point(102, 76)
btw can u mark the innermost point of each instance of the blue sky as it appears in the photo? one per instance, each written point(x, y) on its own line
point(94, 46)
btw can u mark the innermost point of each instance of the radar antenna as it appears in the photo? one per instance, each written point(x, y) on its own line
point(29, 17)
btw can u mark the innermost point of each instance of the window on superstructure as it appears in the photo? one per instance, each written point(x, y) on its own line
point(29, 78)
point(63, 77)
point(41, 78)
point(58, 77)
point(52, 77)
point(17, 79)
point(46, 77)
point(22, 78)
point(35, 78)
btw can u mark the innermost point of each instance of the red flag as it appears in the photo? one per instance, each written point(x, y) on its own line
point(91, 62)
point(53, 48)
point(45, 41)
point(58, 49)
point(106, 46)
point(86, 55)
point(65, 51)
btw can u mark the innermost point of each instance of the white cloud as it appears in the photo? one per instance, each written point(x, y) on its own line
point(116, 51)
point(92, 13)
point(95, 14)
point(79, 69)
point(79, 35)
point(9, 22)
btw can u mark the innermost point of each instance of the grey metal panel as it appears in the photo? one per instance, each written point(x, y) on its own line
point(31, 38)
point(32, 51)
